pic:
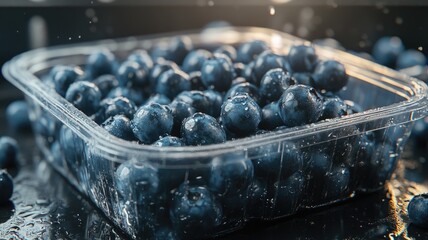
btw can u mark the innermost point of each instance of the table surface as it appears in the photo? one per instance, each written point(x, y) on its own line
point(45, 206)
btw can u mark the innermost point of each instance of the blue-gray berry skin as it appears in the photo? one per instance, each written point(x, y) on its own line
point(195, 79)
point(387, 49)
point(6, 187)
point(172, 82)
point(218, 73)
point(334, 107)
point(111, 107)
point(227, 50)
point(119, 126)
point(131, 74)
point(195, 59)
point(180, 111)
point(300, 105)
point(265, 62)
point(411, 58)
point(303, 78)
point(247, 52)
point(99, 63)
point(216, 100)
point(197, 99)
point(158, 98)
point(106, 83)
point(9, 152)
point(143, 59)
point(169, 141)
point(271, 118)
point(241, 115)
point(330, 75)
point(418, 210)
point(244, 87)
point(85, 96)
point(151, 122)
point(273, 84)
point(157, 70)
point(202, 129)
point(302, 58)
point(194, 211)
point(17, 116)
point(132, 94)
point(63, 77)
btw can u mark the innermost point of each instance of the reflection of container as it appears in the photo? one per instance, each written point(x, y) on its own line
point(294, 168)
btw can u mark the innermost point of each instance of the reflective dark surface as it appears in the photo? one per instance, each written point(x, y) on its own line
point(45, 206)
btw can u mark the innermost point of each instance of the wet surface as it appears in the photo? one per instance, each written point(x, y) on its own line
point(45, 206)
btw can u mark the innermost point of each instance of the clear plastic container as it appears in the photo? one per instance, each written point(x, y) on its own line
point(280, 172)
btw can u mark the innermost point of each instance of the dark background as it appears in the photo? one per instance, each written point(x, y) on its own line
point(45, 206)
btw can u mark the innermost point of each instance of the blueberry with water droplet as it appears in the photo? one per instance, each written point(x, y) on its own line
point(265, 62)
point(194, 211)
point(85, 96)
point(159, 99)
point(197, 99)
point(151, 122)
point(131, 74)
point(330, 75)
point(202, 129)
point(180, 111)
point(119, 126)
point(169, 141)
point(271, 118)
point(245, 87)
point(300, 105)
point(241, 115)
point(172, 82)
point(273, 84)
point(333, 107)
point(64, 77)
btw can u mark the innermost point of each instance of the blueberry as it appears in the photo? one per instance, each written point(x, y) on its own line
point(133, 95)
point(420, 130)
point(337, 183)
point(217, 73)
point(249, 74)
point(85, 96)
point(158, 98)
point(172, 82)
point(238, 80)
point(142, 58)
point(302, 58)
point(202, 129)
point(169, 141)
point(131, 74)
point(333, 108)
point(299, 105)
point(196, 81)
point(411, 58)
point(227, 50)
point(387, 49)
point(9, 152)
point(165, 233)
point(230, 174)
point(64, 77)
point(151, 122)
point(178, 48)
point(418, 210)
point(137, 181)
point(289, 192)
point(265, 62)
point(99, 63)
point(303, 78)
point(110, 107)
point(106, 83)
point(216, 100)
point(195, 59)
point(257, 194)
point(273, 84)
point(158, 69)
point(6, 187)
point(319, 164)
point(180, 111)
point(72, 148)
point(17, 116)
point(241, 115)
point(270, 117)
point(330, 75)
point(194, 211)
point(197, 99)
point(247, 52)
point(245, 87)
point(119, 126)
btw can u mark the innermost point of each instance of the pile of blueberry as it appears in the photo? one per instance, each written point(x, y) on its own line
point(180, 95)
